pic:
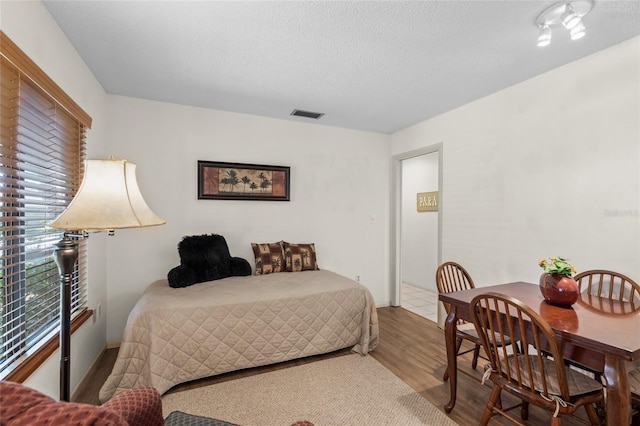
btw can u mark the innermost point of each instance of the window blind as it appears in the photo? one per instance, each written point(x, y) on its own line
point(42, 150)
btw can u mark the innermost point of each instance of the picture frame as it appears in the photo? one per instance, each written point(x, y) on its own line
point(239, 181)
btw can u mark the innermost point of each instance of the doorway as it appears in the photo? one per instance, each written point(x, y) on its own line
point(417, 232)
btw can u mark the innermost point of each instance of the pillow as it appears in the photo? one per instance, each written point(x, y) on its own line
point(205, 258)
point(300, 257)
point(269, 257)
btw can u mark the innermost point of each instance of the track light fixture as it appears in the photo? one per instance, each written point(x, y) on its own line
point(566, 14)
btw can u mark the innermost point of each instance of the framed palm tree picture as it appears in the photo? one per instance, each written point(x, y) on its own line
point(237, 181)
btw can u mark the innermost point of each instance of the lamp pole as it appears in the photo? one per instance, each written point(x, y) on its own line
point(66, 254)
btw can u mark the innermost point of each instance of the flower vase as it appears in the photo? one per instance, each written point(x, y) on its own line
point(558, 289)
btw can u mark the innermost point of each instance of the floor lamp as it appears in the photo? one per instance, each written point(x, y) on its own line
point(108, 199)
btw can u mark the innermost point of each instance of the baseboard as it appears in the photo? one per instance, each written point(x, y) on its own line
point(90, 373)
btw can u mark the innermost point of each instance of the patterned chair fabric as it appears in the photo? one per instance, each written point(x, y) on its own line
point(20, 405)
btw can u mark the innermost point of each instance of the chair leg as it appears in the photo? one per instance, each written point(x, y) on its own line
point(556, 421)
point(476, 354)
point(494, 399)
point(601, 411)
point(635, 416)
point(445, 376)
point(524, 410)
point(592, 414)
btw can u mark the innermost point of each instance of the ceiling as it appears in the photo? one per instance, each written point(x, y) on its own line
point(377, 66)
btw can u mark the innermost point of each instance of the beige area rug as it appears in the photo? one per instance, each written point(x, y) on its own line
point(347, 390)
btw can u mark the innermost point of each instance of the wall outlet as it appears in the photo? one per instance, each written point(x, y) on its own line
point(358, 278)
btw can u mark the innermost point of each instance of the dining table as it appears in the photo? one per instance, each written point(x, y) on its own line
point(598, 333)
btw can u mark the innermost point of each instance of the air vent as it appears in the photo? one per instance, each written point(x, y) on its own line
point(307, 114)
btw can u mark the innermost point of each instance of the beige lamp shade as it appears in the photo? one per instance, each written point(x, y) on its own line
point(108, 198)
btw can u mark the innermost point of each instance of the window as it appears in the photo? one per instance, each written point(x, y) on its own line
point(42, 149)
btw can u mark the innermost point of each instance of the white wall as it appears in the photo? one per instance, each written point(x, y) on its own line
point(549, 167)
point(419, 229)
point(31, 27)
point(339, 181)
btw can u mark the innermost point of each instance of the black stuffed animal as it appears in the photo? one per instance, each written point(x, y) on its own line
point(205, 258)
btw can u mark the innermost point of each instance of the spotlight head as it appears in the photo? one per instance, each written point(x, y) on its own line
point(578, 31)
point(569, 18)
point(544, 38)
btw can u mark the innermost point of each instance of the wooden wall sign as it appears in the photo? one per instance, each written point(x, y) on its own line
point(428, 201)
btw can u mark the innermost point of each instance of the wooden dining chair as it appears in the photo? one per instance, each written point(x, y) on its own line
point(532, 377)
point(612, 286)
point(450, 277)
point(609, 285)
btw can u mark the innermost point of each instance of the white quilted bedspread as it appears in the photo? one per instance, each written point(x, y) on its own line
point(174, 335)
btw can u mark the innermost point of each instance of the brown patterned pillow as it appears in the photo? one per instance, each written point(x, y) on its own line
point(300, 257)
point(269, 258)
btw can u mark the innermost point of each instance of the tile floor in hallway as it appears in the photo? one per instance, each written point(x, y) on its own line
point(419, 301)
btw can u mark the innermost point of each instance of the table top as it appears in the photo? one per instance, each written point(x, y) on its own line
point(607, 326)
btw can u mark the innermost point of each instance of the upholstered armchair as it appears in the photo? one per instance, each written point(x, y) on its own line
point(21, 405)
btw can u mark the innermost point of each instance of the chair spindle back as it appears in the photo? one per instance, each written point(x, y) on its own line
point(450, 277)
point(609, 285)
point(500, 318)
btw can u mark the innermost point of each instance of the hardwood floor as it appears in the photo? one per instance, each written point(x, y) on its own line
point(410, 346)
point(413, 348)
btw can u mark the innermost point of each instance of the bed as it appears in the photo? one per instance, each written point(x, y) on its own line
point(175, 335)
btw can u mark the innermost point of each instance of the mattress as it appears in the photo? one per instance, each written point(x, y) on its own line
point(175, 335)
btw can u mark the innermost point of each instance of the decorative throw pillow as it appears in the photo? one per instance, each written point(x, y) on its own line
point(205, 258)
point(300, 257)
point(269, 258)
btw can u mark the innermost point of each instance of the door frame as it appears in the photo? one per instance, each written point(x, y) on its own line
point(395, 249)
